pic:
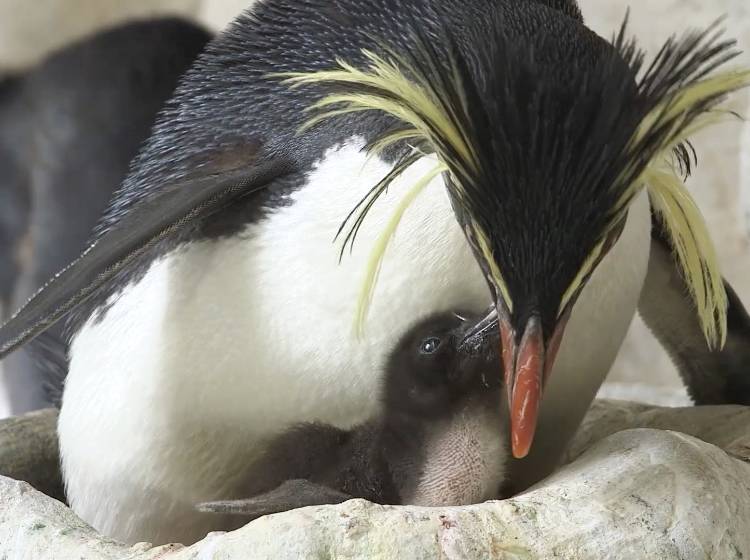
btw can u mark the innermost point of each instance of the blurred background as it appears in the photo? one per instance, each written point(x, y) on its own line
point(31, 31)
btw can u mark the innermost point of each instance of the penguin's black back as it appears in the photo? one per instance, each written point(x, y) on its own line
point(231, 95)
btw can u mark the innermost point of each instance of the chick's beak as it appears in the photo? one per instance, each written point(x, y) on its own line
point(526, 364)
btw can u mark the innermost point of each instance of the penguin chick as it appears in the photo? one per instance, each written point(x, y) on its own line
point(440, 439)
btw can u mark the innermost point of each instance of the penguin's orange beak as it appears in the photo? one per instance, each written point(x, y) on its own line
point(526, 366)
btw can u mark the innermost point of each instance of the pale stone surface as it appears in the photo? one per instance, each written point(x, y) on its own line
point(640, 493)
point(727, 427)
point(645, 393)
point(217, 13)
point(29, 30)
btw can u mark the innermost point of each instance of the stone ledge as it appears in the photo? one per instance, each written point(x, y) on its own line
point(639, 493)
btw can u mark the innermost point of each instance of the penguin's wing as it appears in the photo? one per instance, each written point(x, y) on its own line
point(49, 355)
point(292, 494)
point(151, 220)
point(711, 376)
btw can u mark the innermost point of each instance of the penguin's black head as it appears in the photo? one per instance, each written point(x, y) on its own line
point(561, 141)
point(545, 134)
point(431, 370)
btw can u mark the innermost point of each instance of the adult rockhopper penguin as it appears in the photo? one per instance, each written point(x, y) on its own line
point(522, 157)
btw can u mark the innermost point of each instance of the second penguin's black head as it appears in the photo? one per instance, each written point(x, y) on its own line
point(431, 371)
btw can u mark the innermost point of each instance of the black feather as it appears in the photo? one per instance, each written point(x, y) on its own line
point(381, 460)
point(49, 354)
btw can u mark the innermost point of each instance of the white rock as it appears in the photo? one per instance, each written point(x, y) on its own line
point(640, 493)
point(645, 393)
point(727, 427)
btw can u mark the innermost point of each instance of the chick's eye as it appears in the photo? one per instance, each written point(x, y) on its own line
point(429, 345)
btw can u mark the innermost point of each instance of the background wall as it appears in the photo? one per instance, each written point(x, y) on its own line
point(217, 13)
point(28, 30)
point(722, 183)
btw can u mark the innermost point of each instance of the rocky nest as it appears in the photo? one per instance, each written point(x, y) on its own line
point(640, 482)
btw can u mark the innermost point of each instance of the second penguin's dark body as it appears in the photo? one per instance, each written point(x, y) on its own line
point(68, 131)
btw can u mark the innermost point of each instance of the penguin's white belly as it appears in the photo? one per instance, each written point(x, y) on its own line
point(223, 343)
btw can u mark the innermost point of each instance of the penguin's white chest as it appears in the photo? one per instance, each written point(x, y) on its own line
point(223, 343)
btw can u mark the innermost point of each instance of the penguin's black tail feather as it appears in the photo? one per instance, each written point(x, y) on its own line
point(49, 354)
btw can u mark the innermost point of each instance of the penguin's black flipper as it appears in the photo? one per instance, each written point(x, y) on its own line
point(161, 217)
point(711, 376)
point(292, 494)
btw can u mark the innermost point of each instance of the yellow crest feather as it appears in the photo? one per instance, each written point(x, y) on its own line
point(381, 245)
point(677, 209)
point(693, 248)
point(484, 246)
point(410, 101)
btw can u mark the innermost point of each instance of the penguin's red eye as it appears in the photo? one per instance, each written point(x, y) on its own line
point(429, 345)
